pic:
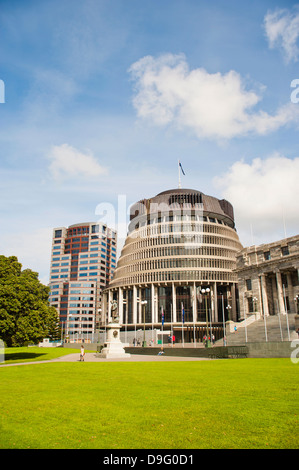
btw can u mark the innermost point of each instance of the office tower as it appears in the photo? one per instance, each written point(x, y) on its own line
point(82, 263)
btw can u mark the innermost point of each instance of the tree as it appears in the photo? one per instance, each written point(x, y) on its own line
point(25, 313)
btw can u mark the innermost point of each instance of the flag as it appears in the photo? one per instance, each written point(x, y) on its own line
point(162, 316)
point(181, 168)
point(183, 313)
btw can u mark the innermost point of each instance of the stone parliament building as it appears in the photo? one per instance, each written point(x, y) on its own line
point(183, 266)
point(268, 277)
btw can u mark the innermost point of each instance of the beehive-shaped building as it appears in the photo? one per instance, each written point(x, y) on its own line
point(179, 242)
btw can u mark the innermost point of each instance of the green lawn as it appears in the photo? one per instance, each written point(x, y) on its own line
point(239, 403)
point(34, 353)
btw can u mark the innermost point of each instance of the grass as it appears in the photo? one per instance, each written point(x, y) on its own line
point(34, 353)
point(241, 403)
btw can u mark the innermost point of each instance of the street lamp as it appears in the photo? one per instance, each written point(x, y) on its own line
point(254, 299)
point(143, 303)
point(228, 308)
point(205, 293)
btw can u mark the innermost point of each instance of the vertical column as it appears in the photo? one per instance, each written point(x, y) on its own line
point(120, 305)
point(290, 291)
point(109, 306)
point(174, 303)
point(274, 296)
point(280, 293)
point(152, 303)
point(134, 304)
point(194, 309)
point(156, 305)
point(104, 308)
point(242, 300)
point(264, 295)
point(215, 319)
point(234, 310)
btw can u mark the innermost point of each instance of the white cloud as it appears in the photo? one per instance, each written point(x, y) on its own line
point(282, 31)
point(265, 195)
point(67, 162)
point(211, 105)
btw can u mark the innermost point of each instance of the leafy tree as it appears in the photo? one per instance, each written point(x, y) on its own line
point(25, 313)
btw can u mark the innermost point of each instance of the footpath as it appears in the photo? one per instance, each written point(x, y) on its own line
point(91, 357)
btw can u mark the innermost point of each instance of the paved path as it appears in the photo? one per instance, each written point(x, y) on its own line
point(91, 357)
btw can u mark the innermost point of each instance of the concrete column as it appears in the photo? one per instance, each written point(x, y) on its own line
point(290, 292)
point(215, 316)
point(120, 305)
point(134, 304)
point(152, 303)
point(104, 308)
point(264, 295)
point(234, 310)
point(109, 305)
point(194, 306)
point(243, 301)
point(275, 297)
point(280, 293)
point(174, 303)
point(156, 304)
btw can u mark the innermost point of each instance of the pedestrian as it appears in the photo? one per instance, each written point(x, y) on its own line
point(134, 342)
point(82, 353)
point(173, 339)
point(213, 339)
point(161, 352)
point(169, 339)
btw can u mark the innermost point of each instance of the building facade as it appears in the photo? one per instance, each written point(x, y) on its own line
point(179, 243)
point(268, 278)
point(83, 260)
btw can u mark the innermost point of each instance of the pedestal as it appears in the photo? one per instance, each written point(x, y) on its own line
point(113, 347)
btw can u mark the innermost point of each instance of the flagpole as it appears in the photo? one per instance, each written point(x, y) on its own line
point(179, 174)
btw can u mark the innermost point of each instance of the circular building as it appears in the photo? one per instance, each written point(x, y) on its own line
point(179, 243)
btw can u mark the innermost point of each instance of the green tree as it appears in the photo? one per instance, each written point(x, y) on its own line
point(25, 313)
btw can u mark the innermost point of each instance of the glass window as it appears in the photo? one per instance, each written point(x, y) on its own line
point(248, 284)
point(267, 255)
point(284, 250)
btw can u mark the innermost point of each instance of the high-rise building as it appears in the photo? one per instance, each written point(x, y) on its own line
point(82, 263)
point(177, 264)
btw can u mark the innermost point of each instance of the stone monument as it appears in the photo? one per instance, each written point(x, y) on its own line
point(113, 347)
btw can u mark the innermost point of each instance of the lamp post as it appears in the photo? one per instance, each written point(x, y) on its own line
point(143, 303)
point(205, 293)
point(228, 308)
point(254, 303)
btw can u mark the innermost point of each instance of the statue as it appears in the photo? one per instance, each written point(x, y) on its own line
point(114, 314)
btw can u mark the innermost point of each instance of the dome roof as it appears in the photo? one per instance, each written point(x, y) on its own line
point(174, 199)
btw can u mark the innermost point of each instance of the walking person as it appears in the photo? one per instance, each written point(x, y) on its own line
point(82, 353)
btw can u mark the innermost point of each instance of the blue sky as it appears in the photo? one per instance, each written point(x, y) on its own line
point(102, 98)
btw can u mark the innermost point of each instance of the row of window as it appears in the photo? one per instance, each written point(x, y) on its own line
point(186, 240)
point(160, 276)
point(156, 230)
point(178, 263)
point(186, 217)
point(165, 251)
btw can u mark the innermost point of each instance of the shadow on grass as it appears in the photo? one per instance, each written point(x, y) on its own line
point(22, 356)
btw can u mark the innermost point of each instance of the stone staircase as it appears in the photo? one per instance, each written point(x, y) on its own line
point(276, 331)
